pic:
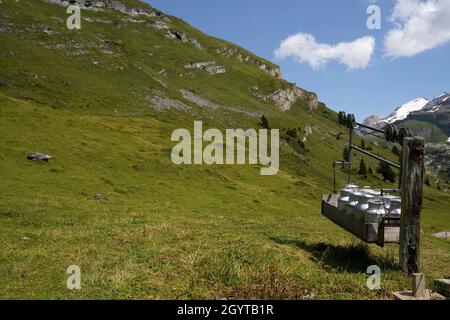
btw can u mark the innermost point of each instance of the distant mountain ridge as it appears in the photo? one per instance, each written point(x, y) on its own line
point(429, 118)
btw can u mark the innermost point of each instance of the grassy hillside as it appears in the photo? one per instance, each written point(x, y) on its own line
point(167, 231)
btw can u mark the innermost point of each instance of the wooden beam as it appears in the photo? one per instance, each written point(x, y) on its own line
point(412, 194)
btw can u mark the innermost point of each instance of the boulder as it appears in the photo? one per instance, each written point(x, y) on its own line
point(443, 287)
point(39, 156)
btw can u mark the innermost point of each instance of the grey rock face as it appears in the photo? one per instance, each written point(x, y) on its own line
point(438, 104)
point(209, 66)
point(274, 72)
point(180, 36)
point(242, 56)
point(97, 5)
point(286, 98)
point(159, 26)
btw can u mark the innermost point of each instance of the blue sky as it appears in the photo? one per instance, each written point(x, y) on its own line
point(415, 64)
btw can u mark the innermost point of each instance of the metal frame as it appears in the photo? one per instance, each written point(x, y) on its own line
point(352, 147)
point(410, 186)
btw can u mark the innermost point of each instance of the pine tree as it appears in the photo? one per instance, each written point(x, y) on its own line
point(362, 168)
point(386, 171)
point(363, 144)
point(264, 122)
point(345, 154)
point(370, 170)
point(439, 186)
point(396, 150)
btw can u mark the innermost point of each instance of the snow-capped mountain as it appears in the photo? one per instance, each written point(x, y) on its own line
point(438, 103)
point(429, 118)
point(401, 113)
point(375, 121)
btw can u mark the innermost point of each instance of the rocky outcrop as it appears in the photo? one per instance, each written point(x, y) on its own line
point(180, 36)
point(286, 98)
point(243, 56)
point(274, 72)
point(307, 131)
point(159, 26)
point(210, 67)
point(98, 5)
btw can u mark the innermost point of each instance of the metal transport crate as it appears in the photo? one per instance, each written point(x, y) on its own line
point(386, 231)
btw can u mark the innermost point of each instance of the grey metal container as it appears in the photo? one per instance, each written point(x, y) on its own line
point(395, 207)
point(345, 195)
point(352, 203)
point(352, 187)
point(362, 206)
point(375, 212)
point(375, 193)
point(343, 199)
point(387, 198)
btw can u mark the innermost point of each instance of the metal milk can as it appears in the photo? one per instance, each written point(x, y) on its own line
point(396, 207)
point(362, 206)
point(352, 202)
point(375, 212)
point(343, 198)
point(387, 198)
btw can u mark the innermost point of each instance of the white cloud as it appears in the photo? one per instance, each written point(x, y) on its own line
point(419, 26)
point(304, 48)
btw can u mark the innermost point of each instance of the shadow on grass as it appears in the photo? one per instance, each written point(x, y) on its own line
point(8, 214)
point(354, 258)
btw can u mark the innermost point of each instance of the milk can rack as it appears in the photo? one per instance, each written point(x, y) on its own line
point(385, 215)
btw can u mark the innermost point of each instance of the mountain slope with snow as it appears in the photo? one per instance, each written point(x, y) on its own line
point(436, 113)
point(402, 112)
point(438, 104)
point(428, 118)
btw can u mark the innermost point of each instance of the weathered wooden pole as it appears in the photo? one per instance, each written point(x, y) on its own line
point(412, 194)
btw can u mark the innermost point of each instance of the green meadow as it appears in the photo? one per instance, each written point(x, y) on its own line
point(168, 231)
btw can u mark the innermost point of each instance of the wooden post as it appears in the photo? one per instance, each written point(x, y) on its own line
point(412, 193)
point(418, 285)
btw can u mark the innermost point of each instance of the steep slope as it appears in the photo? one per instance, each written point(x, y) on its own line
point(137, 49)
point(103, 101)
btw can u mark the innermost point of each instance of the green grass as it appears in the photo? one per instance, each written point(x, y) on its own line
point(167, 231)
point(174, 232)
